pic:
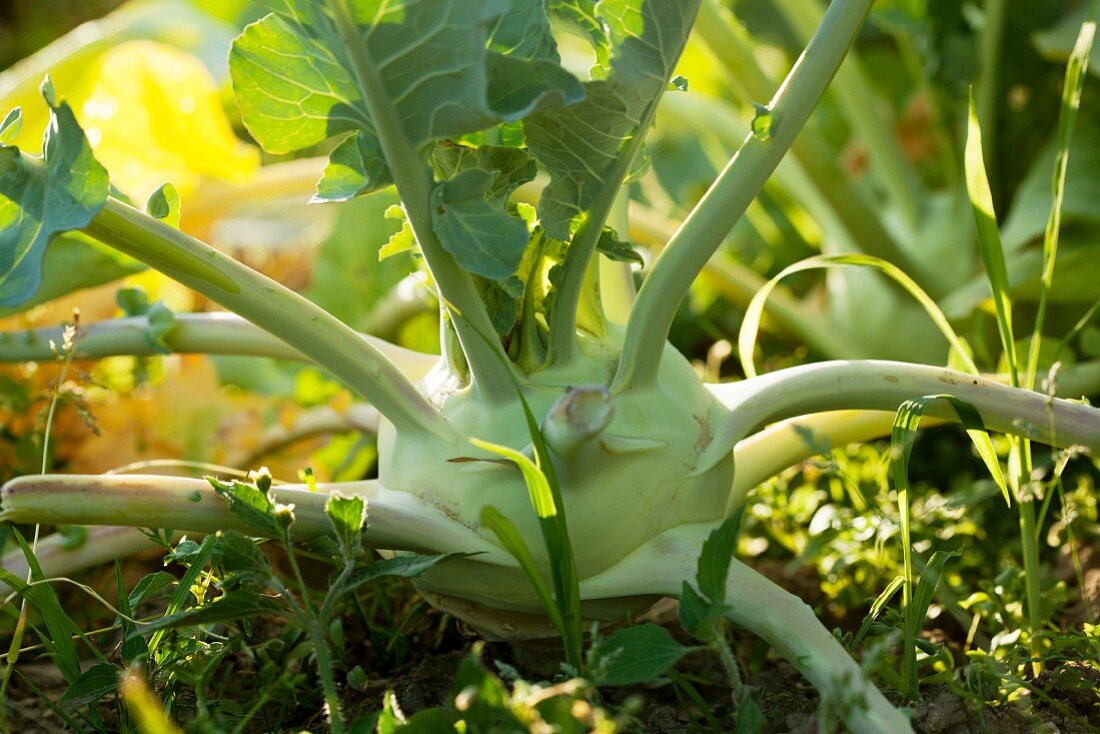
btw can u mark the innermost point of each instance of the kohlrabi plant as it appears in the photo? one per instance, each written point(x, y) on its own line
point(548, 356)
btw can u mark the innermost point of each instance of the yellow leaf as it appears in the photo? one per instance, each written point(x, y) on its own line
point(153, 114)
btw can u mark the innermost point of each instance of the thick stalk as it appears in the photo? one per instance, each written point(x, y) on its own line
point(303, 325)
point(763, 608)
point(728, 42)
point(864, 109)
point(729, 196)
point(398, 521)
point(740, 283)
point(488, 363)
point(563, 319)
point(193, 333)
point(879, 385)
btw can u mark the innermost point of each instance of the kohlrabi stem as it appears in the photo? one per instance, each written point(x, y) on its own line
point(729, 43)
point(617, 291)
point(729, 196)
point(193, 333)
point(300, 323)
point(740, 283)
point(764, 609)
point(879, 385)
point(488, 363)
point(563, 318)
point(398, 520)
point(867, 114)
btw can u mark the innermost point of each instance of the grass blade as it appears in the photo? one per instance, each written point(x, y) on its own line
point(989, 238)
point(1067, 116)
point(746, 340)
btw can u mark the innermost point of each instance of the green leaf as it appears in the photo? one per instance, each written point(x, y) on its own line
point(74, 261)
point(296, 82)
point(196, 559)
point(42, 598)
point(245, 565)
point(905, 430)
point(524, 32)
point(517, 88)
point(483, 238)
point(10, 127)
point(251, 505)
point(159, 318)
point(348, 516)
point(636, 654)
point(40, 197)
point(989, 236)
point(164, 204)
point(750, 325)
point(92, 685)
point(714, 560)
point(615, 249)
point(510, 167)
point(580, 144)
point(696, 612)
point(876, 608)
point(513, 542)
point(403, 566)
point(232, 607)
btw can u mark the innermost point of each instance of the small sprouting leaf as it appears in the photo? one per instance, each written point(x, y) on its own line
point(678, 83)
point(10, 127)
point(484, 239)
point(348, 516)
point(636, 654)
point(696, 612)
point(160, 320)
point(714, 560)
point(39, 197)
point(92, 685)
point(164, 204)
point(251, 505)
point(876, 608)
point(400, 241)
point(762, 122)
point(615, 249)
point(750, 719)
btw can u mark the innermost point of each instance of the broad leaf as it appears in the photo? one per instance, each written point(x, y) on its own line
point(636, 654)
point(580, 144)
point(40, 197)
point(483, 238)
point(297, 84)
point(92, 685)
